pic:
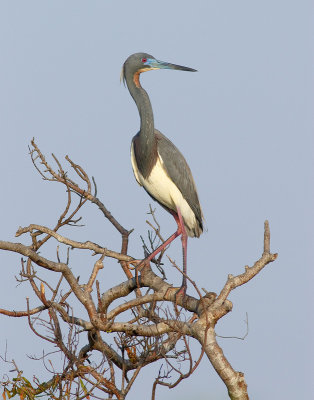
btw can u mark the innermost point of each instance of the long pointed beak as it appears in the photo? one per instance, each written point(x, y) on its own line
point(157, 64)
point(175, 66)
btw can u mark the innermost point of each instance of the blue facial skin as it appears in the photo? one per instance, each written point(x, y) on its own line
point(153, 63)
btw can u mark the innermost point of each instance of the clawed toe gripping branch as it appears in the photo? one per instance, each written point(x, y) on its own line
point(107, 334)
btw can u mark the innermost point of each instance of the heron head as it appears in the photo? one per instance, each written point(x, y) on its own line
point(142, 62)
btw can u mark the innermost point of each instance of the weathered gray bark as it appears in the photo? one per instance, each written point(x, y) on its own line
point(156, 329)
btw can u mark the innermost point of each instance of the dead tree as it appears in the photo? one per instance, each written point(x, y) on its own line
point(104, 351)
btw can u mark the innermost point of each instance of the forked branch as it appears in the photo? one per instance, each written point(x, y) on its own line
point(129, 325)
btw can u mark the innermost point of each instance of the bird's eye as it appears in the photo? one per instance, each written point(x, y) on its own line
point(144, 60)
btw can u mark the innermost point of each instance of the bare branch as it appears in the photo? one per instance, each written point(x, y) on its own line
point(125, 327)
point(74, 244)
point(250, 272)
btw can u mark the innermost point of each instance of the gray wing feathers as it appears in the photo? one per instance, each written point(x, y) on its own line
point(180, 173)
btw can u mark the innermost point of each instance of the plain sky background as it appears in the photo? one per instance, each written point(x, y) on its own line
point(245, 125)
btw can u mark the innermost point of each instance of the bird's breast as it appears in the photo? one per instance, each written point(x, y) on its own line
point(159, 185)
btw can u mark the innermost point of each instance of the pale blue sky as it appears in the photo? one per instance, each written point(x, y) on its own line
point(244, 123)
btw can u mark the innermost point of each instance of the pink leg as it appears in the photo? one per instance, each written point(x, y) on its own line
point(165, 244)
point(184, 239)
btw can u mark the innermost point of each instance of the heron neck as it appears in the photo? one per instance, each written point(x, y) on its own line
point(145, 110)
point(145, 143)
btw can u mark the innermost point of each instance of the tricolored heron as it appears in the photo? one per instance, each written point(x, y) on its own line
point(158, 165)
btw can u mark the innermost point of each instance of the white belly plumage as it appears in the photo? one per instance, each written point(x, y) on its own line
point(161, 188)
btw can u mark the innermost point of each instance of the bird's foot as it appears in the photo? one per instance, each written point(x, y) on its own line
point(132, 264)
point(180, 294)
point(139, 265)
